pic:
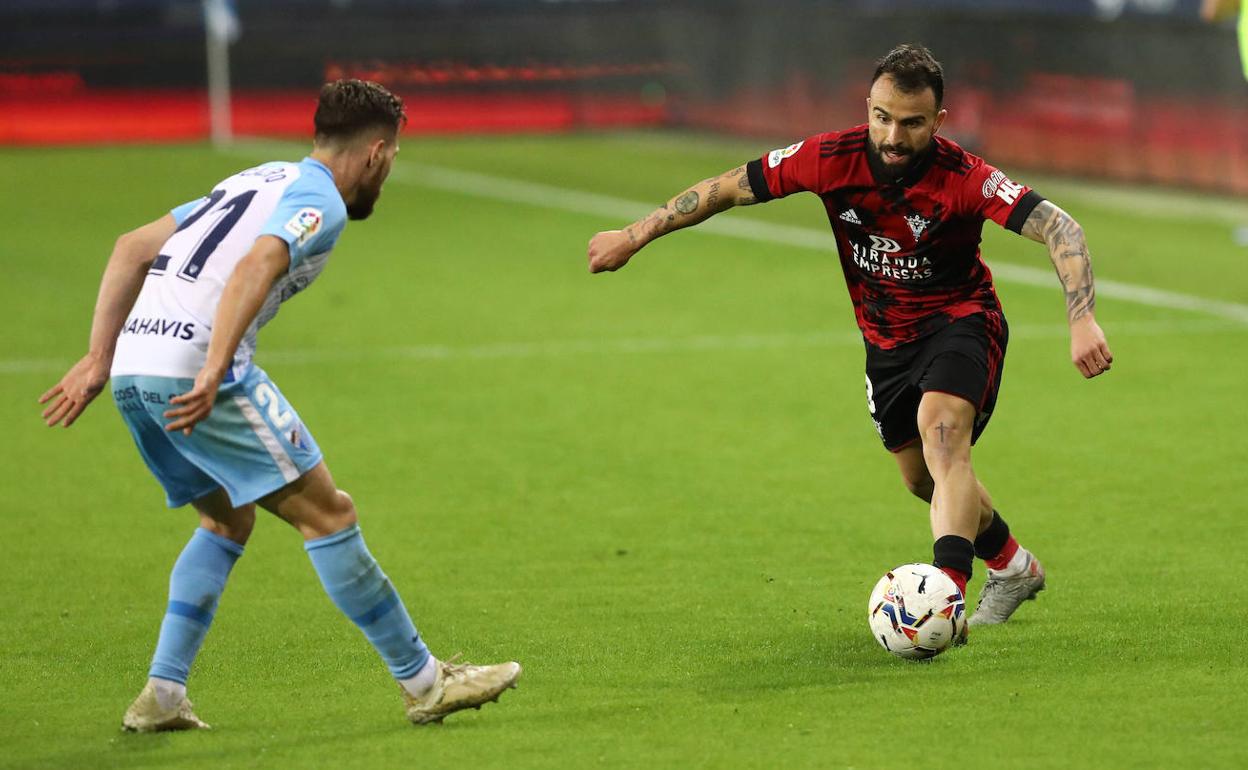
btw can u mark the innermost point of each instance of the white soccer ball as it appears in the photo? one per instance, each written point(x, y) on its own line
point(916, 611)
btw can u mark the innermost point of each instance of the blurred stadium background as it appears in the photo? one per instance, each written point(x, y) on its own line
point(1130, 90)
point(658, 489)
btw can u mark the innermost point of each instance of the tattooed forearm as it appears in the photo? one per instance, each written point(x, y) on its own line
point(1069, 251)
point(706, 198)
point(746, 195)
point(688, 202)
point(1080, 301)
point(712, 197)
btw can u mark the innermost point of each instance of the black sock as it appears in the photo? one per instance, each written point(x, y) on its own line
point(955, 553)
point(990, 542)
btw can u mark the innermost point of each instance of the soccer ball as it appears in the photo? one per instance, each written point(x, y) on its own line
point(916, 611)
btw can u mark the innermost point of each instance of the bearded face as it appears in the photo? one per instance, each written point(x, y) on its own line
point(371, 181)
point(900, 125)
point(365, 199)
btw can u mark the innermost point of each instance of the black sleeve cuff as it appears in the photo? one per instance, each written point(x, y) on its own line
point(758, 182)
point(1023, 210)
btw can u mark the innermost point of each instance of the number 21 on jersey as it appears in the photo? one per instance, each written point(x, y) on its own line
point(213, 230)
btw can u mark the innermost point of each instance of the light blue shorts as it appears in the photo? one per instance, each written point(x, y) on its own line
point(252, 444)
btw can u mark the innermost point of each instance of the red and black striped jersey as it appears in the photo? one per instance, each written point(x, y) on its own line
point(909, 247)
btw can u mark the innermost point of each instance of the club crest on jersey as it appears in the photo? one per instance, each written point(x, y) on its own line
point(775, 156)
point(296, 438)
point(917, 225)
point(305, 224)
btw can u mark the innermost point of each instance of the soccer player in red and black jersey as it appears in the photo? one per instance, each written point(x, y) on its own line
point(907, 207)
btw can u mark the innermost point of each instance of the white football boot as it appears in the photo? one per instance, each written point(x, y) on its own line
point(459, 686)
point(1001, 596)
point(145, 715)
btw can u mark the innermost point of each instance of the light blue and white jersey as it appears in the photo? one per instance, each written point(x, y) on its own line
point(170, 325)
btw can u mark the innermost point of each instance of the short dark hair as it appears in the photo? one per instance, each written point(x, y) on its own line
point(912, 68)
point(348, 107)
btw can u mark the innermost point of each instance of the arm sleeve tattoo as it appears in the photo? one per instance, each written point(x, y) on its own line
point(1068, 249)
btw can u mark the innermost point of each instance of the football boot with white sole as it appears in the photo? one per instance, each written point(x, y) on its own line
point(146, 715)
point(459, 686)
point(1001, 596)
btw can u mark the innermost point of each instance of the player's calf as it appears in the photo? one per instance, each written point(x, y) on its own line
point(432, 688)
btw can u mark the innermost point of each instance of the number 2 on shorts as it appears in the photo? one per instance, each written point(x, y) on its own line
point(266, 397)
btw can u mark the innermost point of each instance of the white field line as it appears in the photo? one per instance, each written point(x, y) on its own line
point(622, 211)
point(563, 199)
point(642, 345)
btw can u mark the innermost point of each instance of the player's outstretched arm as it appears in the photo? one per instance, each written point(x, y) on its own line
point(127, 267)
point(1068, 249)
point(611, 250)
point(241, 300)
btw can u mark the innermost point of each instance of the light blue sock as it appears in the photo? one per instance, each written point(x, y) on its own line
point(195, 586)
point(362, 591)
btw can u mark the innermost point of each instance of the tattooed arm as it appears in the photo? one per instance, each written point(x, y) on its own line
point(1068, 249)
point(612, 249)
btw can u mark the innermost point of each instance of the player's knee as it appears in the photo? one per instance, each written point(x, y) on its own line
point(325, 513)
point(946, 440)
point(342, 510)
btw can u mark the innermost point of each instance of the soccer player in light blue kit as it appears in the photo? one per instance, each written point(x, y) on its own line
point(175, 323)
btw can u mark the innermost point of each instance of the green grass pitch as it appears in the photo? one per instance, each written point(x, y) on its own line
point(658, 489)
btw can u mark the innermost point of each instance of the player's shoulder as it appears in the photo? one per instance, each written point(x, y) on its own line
point(950, 156)
point(845, 142)
point(317, 214)
point(314, 186)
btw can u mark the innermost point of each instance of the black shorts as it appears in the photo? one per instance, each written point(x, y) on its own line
point(963, 359)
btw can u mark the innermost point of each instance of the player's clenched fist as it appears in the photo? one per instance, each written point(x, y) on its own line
point(1088, 350)
point(610, 250)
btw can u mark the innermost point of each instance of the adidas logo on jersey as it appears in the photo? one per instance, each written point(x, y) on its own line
point(851, 216)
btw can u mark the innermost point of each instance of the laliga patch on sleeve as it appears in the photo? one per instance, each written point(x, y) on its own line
point(775, 156)
point(305, 224)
